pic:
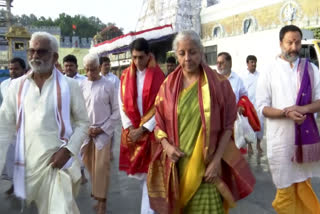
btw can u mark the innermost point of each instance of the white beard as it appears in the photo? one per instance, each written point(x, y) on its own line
point(223, 72)
point(42, 68)
point(288, 57)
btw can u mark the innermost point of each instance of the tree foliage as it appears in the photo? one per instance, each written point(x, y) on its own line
point(110, 32)
point(78, 25)
point(316, 32)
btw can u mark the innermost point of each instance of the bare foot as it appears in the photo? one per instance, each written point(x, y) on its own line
point(259, 149)
point(84, 180)
point(10, 190)
point(95, 207)
point(102, 205)
point(250, 150)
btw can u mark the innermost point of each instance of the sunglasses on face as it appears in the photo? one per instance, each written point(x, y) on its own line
point(40, 52)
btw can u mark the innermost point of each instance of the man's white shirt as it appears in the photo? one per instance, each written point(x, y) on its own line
point(250, 82)
point(113, 78)
point(3, 89)
point(79, 77)
point(277, 87)
point(237, 85)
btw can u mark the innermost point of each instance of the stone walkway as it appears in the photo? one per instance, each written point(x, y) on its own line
point(125, 193)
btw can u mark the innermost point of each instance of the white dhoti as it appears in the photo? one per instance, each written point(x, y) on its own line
point(54, 190)
point(260, 133)
point(145, 204)
point(47, 120)
point(7, 172)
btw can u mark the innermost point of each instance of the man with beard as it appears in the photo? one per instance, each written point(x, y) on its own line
point(224, 64)
point(17, 68)
point(47, 112)
point(288, 93)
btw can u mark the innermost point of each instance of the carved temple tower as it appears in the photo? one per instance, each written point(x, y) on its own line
point(181, 14)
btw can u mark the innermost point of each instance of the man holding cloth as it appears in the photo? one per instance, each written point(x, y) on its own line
point(48, 111)
point(288, 93)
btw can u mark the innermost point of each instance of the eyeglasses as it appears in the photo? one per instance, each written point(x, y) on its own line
point(40, 52)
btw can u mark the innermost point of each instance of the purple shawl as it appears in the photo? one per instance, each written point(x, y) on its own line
point(307, 139)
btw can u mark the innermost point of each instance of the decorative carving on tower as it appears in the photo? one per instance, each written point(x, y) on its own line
point(290, 12)
point(181, 14)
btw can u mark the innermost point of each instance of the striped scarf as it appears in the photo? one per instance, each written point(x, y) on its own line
point(62, 112)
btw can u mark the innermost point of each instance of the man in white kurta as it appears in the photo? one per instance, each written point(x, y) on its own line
point(3, 88)
point(237, 85)
point(17, 68)
point(277, 89)
point(105, 67)
point(70, 65)
point(250, 79)
point(103, 110)
point(49, 181)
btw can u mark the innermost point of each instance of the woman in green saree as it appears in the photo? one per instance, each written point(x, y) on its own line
point(196, 168)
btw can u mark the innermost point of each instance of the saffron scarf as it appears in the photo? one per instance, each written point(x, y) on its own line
point(218, 113)
point(135, 157)
point(307, 139)
point(62, 115)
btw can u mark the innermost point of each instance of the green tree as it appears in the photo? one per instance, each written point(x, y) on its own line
point(77, 25)
point(316, 32)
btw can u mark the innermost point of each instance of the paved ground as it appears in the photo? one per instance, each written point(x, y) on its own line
point(124, 195)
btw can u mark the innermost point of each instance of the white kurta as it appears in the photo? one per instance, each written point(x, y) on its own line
point(277, 88)
point(79, 77)
point(103, 109)
point(250, 82)
point(237, 85)
point(113, 78)
point(3, 89)
point(42, 140)
point(7, 172)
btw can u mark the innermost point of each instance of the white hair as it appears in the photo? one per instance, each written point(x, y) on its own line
point(184, 35)
point(46, 36)
point(91, 58)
